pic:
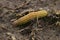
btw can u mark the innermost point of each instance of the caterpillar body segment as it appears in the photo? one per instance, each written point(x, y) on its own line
point(30, 16)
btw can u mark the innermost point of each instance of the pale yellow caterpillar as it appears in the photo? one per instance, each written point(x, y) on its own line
point(30, 16)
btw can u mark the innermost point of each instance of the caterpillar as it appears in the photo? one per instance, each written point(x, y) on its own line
point(30, 16)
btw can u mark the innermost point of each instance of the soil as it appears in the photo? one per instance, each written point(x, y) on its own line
point(47, 28)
